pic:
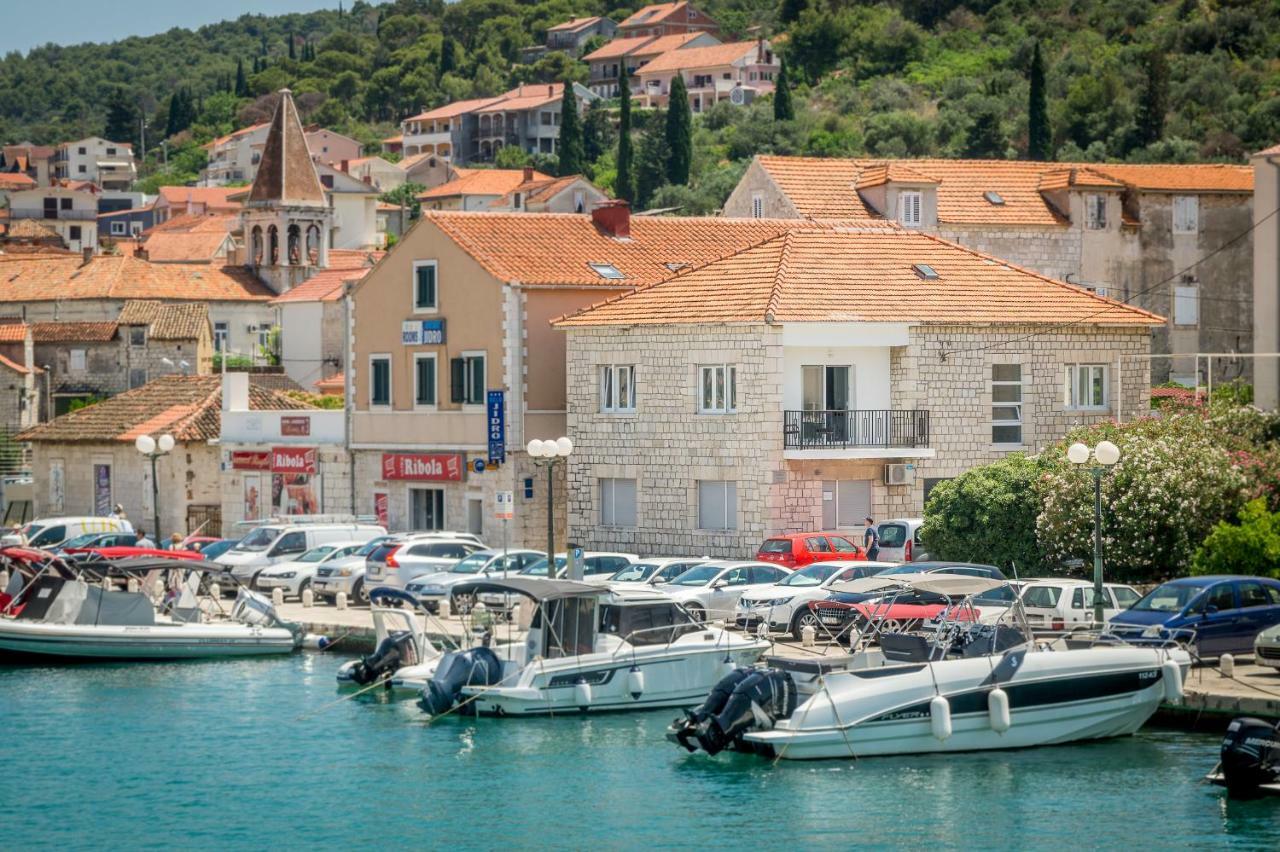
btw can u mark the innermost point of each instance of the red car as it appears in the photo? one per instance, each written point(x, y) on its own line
point(899, 613)
point(796, 550)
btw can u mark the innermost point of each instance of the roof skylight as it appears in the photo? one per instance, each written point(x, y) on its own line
point(994, 197)
point(925, 271)
point(607, 270)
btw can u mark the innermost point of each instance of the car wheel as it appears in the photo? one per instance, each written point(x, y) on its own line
point(696, 612)
point(358, 592)
point(804, 618)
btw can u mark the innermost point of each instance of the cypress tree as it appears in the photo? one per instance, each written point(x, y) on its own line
point(596, 132)
point(448, 56)
point(652, 162)
point(175, 108)
point(292, 50)
point(624, 184)
point(122, 118)
point(783, 107)
point(571, 146)
point(789, 11)
point(1039, 138)
point(679, 133)
point(242, 86)
point(1154, 101)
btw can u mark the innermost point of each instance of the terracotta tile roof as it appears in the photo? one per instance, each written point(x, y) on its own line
point(166, 321)
point(481, 182)
point(573, 25)
point(215, 198)
point(651, 14)
point(276, 382)
point(325, 286)
point(73, 332)
point(897, 172)
point(689, 58)
point(1269, 152)
point(663, 44)
point(819, 187)
point(514, 246)
point(539, 190)
point(1200, 177)
point(391, 140)
point(244, 131)
point(15, 366)
point(525, 97)
point(44, 278)
point(618, 48)
point(10, 180)
point(209, 221)
point(859, 275)
point(1182, 396)
point(13, 330)
point(187, 407)
point(334, 385)
point(454, 109)
point(286, 172)
point(189, 247)
point(353, 258)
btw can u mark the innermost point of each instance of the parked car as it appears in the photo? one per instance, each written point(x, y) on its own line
point(50, 532)
point(214, 549)
point(402, 559)
point(1266, 647)
point(900, 540)
point(430, 589)
point(296, 576)
point(272, 543)
point(346, 574)
point(783, 604)
point(648, 573)
point(712, 589)
point(597, 567)
point(1213, 615)
point(1062, 604)
point(89, 541)
point(197, 542)
point(795, 550)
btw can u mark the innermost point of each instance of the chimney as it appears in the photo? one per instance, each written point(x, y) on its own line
point(528, 173)
point(140, 252)
point(87, 254)
point(551, 90)
point(235, 391)
point(345, 166)
point(190, 203)
point(614, 218)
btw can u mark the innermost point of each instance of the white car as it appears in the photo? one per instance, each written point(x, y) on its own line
point(597, 568)
point(346, 574)
point(296, 576)
point(403, 558)
point(782, 605)
point(712, 589)
point(431, 589)
point(900, 540)
point(1062, 604)
point(650, 573)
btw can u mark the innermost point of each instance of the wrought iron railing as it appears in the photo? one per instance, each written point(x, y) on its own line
point(869, 428)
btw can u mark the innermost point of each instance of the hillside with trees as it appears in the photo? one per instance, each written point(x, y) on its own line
point(1131, 80)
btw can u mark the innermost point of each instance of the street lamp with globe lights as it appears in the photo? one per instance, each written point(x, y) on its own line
point(548, 453)
point(154, 448)
point(1105, 455)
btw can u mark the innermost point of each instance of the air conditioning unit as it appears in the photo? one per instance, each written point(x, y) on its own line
point(899, 474)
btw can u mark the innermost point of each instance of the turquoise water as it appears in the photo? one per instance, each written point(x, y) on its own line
point(245, 754)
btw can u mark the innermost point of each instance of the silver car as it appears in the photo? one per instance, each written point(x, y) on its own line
point(431, 589)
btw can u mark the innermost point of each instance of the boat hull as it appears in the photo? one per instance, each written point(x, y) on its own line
point(158, 642)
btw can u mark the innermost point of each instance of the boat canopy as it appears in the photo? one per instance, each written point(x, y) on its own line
point(953, 585)
point(864, 585)
point(537, 589)
point(53, 600)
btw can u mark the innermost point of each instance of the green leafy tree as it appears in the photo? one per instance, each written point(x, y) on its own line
point(122, 118)
point(1039, 137)
point(597, 132)
point(783, 107)
point(679, 133)
point(571, 144)
point(624, 185)
point(1153, 102)
point(1251, 546)
point(789, 10)
point(986, 138)
point(511, 157)
point(652, 160)
point(987, 514)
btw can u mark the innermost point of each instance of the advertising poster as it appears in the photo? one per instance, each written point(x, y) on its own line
point(380, 500)
point(102, 489)
point(295, 493)
point(57, 485)
point(252, 497)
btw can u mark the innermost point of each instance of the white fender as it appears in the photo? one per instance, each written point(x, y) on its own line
point(315, 642)
point(940, 717)
point(582, 694)
point(635, 682)
point(1172, 674)
point(998, 710)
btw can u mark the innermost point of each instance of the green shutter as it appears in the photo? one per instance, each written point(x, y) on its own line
point(425, 296)
point(457, 379)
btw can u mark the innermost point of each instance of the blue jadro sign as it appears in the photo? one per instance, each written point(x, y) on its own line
point(433, 332)
point(496, 410)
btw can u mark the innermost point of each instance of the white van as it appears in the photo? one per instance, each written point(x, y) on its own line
point(272, 543)
point(51, 532)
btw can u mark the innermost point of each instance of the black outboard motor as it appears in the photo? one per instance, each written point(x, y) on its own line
point(745, 699)
point(394, 652)
point(1250, 755)
point(476, 667)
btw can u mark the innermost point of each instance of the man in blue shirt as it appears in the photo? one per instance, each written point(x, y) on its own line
point(871, 539)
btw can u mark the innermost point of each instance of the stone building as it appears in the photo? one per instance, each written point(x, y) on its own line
point(822, 376)
point(19, 378)
point(88, 463)
point(1266, 277)
point(1172, 239)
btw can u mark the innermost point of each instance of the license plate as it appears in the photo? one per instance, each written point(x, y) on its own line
point(829, 619)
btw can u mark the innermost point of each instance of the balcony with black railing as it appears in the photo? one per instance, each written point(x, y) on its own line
point(877, 430)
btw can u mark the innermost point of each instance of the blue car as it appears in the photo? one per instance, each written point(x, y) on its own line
point(214, 549)
point(1212, 615)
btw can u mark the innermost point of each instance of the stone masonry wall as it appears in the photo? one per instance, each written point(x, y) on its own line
point(1051, 251)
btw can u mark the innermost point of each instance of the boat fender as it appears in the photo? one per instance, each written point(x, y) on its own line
point(635, 682)
point(998, 710)
point(1171, 672)
point(1227, 665)
point(582, 695)
point(940, 717)
point(315, 642)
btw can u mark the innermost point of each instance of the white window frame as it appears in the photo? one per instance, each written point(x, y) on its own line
point(75, 355)
point(1186, 305)
point(425, 309)
point(435, 372)
point(391, 396)
point(1186, 214)
point(724, 389)
point(1076, 391)
point(731, 511)
point(1095, 212)
point(608, 502)
point(1021, 419)
point(910, 208)
point(483, 391)
point(119, 227)
point(610, 401)
point(221, 335)
point(757, 205)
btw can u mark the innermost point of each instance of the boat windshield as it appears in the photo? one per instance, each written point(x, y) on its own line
point(635, 572)
point(813, 575)
point(473, 564)
point(699, 576)
point(259, 539)
point(539, 568)
point(1168, 597)
point(81, 540)
point(316, 554)
point(919, 568)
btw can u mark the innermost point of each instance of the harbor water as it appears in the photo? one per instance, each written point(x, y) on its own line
point(252, 753)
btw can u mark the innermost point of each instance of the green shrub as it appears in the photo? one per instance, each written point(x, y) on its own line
point(987, 514)
point(1250, 547)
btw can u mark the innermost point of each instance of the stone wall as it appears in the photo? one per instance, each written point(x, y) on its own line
point(775, 205)
point(1051, 251)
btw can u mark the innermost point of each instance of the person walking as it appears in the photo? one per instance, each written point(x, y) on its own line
point(143, 541)
point(871, 539)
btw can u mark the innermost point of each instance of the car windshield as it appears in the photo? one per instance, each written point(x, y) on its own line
point(776, 545)
point(316, 554)
point(1168, 597)
point(259, 539)
point(472, 564)
point(699, 576)
point(810, 576)
point(539, 568)
point(634, 572)
point(370, 546)
point(893, 535)
point(81, 540)
point(30, 531)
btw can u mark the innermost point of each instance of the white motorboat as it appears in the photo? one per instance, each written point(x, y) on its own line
point(403, 658)
point(589, 649)
point(964, 689)
point(60, 616)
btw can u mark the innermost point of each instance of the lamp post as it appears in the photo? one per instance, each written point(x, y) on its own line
point(548, 453)
point(1105, 455)
point(154, 448)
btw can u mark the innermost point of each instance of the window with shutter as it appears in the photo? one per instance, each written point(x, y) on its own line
point(475, 380)
point(424, 375)
point(717, 505)
point(910, 205)
point(457, 379)
point(380, 381)
point(424, 286)
point(1186, 214)
point(1186, 304)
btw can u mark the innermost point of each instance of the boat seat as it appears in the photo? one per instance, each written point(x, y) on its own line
point(905, 647)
